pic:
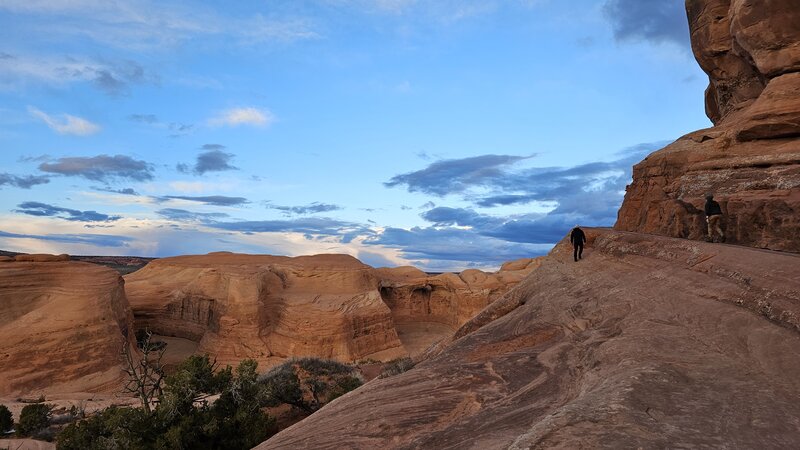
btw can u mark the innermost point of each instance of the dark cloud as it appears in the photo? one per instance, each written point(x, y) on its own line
point(216, 200)
point(74, 215)
point(309, 225)
point(454, 175)
point(313, 208)
point(27, 159)
point(505, 200)
point(101, 168)
point(115, 78)
point(450, 248)
point(535, 228)
point(180, 129)
point(123, 191)
point(24, 182)
point(648, 20)
point(102, 240)
point(182, 215)
point(211, 160)
point(587, 194)
point(143, 118)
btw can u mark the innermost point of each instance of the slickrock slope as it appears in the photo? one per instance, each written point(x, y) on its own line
point(253, 306)
point(333, 306)
point(750, 159)
point(61, 326)
point(648, 342)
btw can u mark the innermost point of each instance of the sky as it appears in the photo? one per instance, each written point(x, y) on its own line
point(445, 134)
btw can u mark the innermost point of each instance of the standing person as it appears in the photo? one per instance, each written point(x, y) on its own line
point(713, 218)
point(578, 238)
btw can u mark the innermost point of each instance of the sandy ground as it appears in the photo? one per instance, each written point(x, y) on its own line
point(177, 350)
point(418, 336)
point(25, 444)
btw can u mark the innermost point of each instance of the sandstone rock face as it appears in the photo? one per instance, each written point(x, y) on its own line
point(750, 160)
point(248, 306)
point(648, 342)
point(449, 298)
point(62, 326)
point(270, 308)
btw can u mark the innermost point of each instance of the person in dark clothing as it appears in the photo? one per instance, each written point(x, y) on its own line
point(578, 238)
point(713, 218)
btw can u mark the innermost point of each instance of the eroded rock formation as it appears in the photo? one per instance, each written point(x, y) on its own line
point(648, 342)
point(252, 306)
point(449, 298)
point(332, 306)
point(750, 159)
point(62, 326)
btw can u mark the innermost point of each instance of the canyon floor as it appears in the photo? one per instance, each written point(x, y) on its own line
point(648, 342)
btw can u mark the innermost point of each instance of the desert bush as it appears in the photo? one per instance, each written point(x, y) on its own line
point(34, 418)
point(6, 420)
point(308, 383)
point(184, 417)
point(396, 366)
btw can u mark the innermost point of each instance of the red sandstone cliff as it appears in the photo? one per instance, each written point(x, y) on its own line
point(750, 159)
point(62, 325)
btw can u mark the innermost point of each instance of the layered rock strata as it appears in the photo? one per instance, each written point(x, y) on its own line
point(449, 298)
point(648, 342)
point(750, 159)
point(251, 306)
point(332, 306)
point(62, 326)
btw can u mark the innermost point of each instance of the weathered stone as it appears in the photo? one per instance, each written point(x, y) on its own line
point(62, 326)
point(751, 159)
point(645, 343)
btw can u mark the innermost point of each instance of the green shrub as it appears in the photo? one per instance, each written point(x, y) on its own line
point(34, 418)
point(6, 420)
point(183, 418)
point(308, 383)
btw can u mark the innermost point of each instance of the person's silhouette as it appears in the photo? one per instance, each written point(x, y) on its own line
point(578, 238)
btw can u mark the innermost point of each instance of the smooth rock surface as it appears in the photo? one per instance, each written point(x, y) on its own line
point(62, 326)
point(648, 342)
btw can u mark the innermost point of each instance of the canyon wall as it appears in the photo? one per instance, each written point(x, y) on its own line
point(62, 326)
point(750, 159)
point(270, 308)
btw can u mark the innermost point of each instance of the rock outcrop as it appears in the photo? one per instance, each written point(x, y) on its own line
point(750, 159)
point(648, 342)
point(252, 306)
point(270, 307)
point(62, 326)
point(449, 298)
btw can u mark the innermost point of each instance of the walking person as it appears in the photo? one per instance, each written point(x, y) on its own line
point(578, 238)
point(713, 218)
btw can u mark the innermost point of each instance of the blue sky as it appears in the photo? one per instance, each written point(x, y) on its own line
point(445, 134)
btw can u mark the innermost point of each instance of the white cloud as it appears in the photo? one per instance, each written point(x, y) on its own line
point(148, 25)
point(243, 116)
point(67, 125)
